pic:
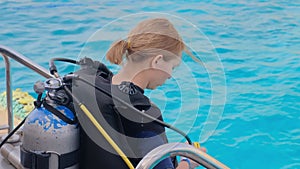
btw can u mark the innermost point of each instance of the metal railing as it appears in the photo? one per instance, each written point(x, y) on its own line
point(9, 53)
point(179, 149)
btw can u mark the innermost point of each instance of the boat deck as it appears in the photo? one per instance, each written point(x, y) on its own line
point(5, 164)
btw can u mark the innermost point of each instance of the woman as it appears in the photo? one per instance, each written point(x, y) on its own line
point(148, 55)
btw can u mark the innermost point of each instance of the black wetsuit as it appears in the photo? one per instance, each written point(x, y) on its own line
point(134, 134)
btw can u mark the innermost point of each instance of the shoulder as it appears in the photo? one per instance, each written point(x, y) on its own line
point(132, 94)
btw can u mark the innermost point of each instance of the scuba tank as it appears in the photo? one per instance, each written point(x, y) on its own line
point(51, 132)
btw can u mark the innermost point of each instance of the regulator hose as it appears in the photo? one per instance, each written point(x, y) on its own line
point(12, 132)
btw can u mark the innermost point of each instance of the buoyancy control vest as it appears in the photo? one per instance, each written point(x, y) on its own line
point(119, 121)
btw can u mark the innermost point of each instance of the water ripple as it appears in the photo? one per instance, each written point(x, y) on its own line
point(258, 43)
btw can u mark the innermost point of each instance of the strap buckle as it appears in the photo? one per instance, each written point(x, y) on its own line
point(58, 156)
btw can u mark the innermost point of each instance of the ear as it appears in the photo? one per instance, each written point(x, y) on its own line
point(156, 60)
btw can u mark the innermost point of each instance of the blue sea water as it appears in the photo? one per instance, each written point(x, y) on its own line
point(251, 50)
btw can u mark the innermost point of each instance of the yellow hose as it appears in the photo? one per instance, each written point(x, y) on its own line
point(106, 136)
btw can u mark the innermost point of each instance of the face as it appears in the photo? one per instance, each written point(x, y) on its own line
point(161, 71)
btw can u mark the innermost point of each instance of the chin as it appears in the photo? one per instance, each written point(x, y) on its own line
point(156, 86)
point(151, 87)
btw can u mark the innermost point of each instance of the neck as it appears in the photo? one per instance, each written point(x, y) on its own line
point(131, 73)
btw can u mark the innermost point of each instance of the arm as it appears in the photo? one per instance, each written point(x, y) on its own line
point(148, 140)
point(183, 165)
point(150, 143)
point(189, 164)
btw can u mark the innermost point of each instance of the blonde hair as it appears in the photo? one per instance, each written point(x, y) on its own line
point(151, 36)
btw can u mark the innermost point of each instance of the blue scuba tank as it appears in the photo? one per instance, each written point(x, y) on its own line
point(48, 141)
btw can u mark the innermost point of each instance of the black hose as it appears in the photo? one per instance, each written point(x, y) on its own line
point(63, 60)
point(52, 66)
point(12, 132)
point(137, 111)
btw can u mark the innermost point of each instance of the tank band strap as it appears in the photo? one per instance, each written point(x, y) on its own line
point(40, 160)
point(34, 160)
point(69, 159)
